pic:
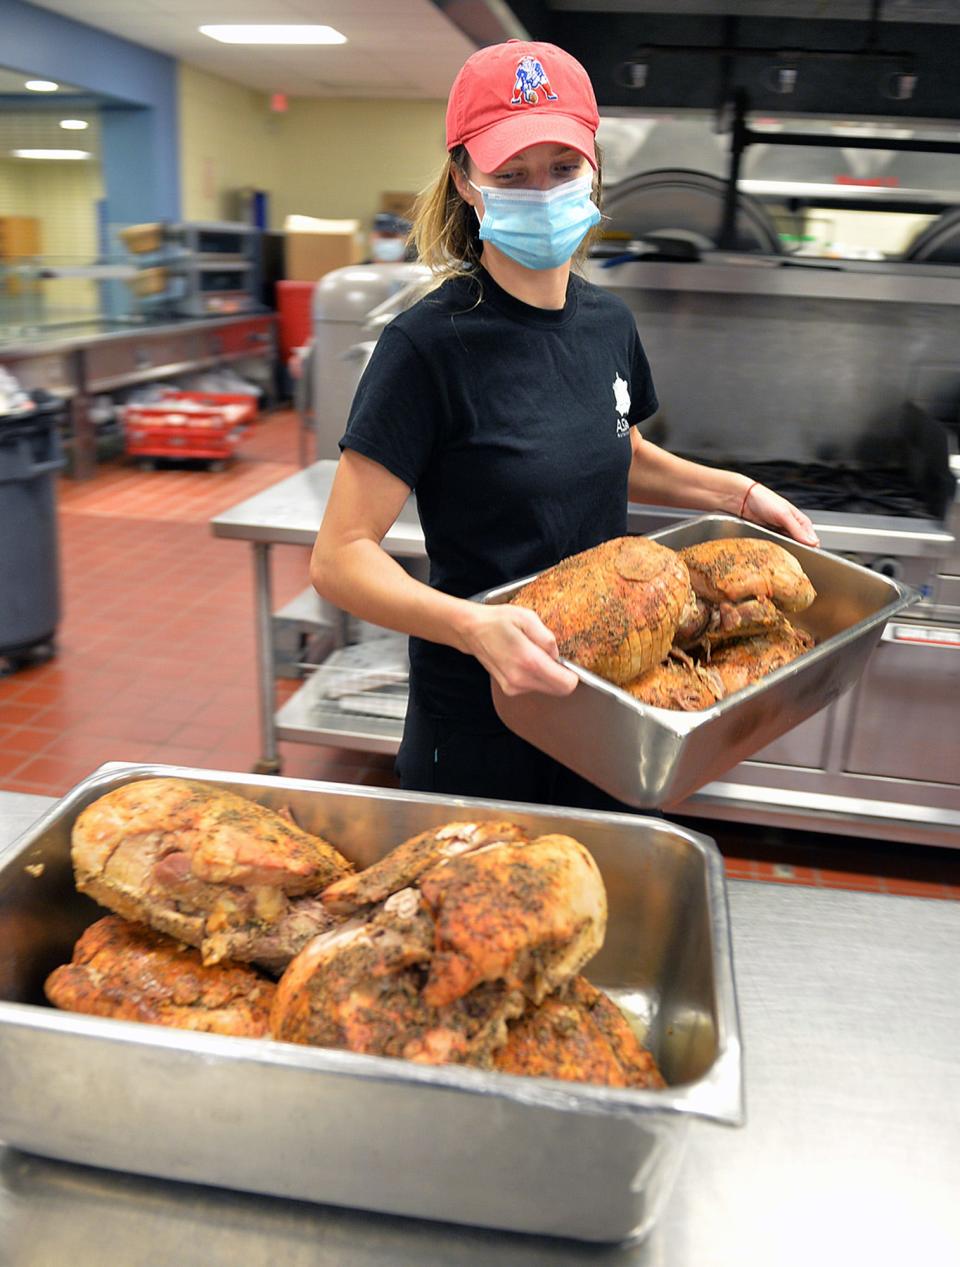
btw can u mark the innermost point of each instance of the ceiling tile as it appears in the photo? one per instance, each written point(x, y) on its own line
point(421, 50)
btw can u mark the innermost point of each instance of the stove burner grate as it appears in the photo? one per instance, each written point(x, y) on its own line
point(851, 490)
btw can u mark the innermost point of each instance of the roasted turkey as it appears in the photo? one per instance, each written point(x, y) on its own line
point(434, 971)
point(678, 683)
point(212, 869)
point(741, 663)
point(614, 609)
point(131, 973)
point(402, 865)
point(361, 987)
point(743, 586)
point(578, 1035)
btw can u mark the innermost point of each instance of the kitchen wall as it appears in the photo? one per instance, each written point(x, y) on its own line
point(139, 131)
point(63, 197)
point(328, 158)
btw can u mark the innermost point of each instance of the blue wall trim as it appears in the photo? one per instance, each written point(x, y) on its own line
point(141, 152)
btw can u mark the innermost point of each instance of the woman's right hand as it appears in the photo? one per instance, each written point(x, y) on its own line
point(517, 649)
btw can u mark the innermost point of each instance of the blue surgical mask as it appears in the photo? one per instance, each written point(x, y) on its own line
point(539, 228)
point(388, 250)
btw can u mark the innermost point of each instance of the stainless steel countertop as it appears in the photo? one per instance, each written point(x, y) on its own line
point(851, 1028)
point(45, 343)
point(289, 513)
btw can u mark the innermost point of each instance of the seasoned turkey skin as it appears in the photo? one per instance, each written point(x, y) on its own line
point(401, 866)
point(129, 972)
point(360, 988)
point(531, 915)
point(578, 1035)
point(435, 971)
point(207, 867)
point(613, 609)
point(740, 664)
point(677, 684)
point(733, 569)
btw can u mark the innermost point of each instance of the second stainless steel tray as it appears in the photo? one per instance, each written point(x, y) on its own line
point(651, 757)
point(449, 1143)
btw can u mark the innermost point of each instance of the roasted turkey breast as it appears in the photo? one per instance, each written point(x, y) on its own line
point(529, 914)
point(578, 1035)
point(360, 988)
point(733, 569)
point(131, 973)
point(434, 972)
point(613, 609)
point(212, 869)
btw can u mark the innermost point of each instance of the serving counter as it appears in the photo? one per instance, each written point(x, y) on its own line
point(851, 1025)
point(83, 360)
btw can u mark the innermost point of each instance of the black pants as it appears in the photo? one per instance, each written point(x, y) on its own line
point(461, 759)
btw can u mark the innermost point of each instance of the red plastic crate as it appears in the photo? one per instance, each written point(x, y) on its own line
point(246, 405)
point(159, 429)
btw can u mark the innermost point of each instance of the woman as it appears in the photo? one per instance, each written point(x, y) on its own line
point(509, 399)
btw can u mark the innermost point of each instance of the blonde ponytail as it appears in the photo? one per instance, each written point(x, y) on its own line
point(445, 228)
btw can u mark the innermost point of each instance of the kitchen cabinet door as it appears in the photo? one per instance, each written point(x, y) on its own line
point(906, 718)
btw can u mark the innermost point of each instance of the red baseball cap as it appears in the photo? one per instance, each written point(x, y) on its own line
point(508, 96)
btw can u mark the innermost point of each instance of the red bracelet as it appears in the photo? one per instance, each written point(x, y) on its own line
point(743, 504)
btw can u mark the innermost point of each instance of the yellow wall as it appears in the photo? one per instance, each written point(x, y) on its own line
point(63, 197)
point(327, 158)
point(226, 143)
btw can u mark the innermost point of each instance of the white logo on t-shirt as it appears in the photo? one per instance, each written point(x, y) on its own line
point(621, 396)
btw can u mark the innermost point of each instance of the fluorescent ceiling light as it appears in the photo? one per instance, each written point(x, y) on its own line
point(50, 153)
point(243, 34)
point(74, 125)
point(41, 85)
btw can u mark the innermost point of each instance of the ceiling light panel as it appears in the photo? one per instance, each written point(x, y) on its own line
point(52, 154)
point(262, 34)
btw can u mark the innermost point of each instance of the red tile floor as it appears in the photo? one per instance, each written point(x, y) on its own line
point(155, 662)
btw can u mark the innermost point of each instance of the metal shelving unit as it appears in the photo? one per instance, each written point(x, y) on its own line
point(310, 717)
point(290, 514)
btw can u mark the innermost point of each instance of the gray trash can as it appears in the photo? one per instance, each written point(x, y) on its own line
point(341, 304)
point(30, 457)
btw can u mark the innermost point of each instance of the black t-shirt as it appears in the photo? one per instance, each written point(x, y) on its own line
point(511, 424)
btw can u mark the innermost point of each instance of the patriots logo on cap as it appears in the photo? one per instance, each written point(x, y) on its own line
point(530, 77)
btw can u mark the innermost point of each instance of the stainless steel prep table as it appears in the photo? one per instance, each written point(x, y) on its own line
point(80, 361)
point(851, 1028)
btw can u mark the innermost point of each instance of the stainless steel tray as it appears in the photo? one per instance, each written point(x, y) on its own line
point(450, 1143)
point(648, 756)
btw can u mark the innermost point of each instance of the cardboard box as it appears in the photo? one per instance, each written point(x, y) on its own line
point(314, 247)
point(398, 204)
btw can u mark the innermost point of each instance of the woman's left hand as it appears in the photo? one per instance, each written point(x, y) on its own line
point(761, 505)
